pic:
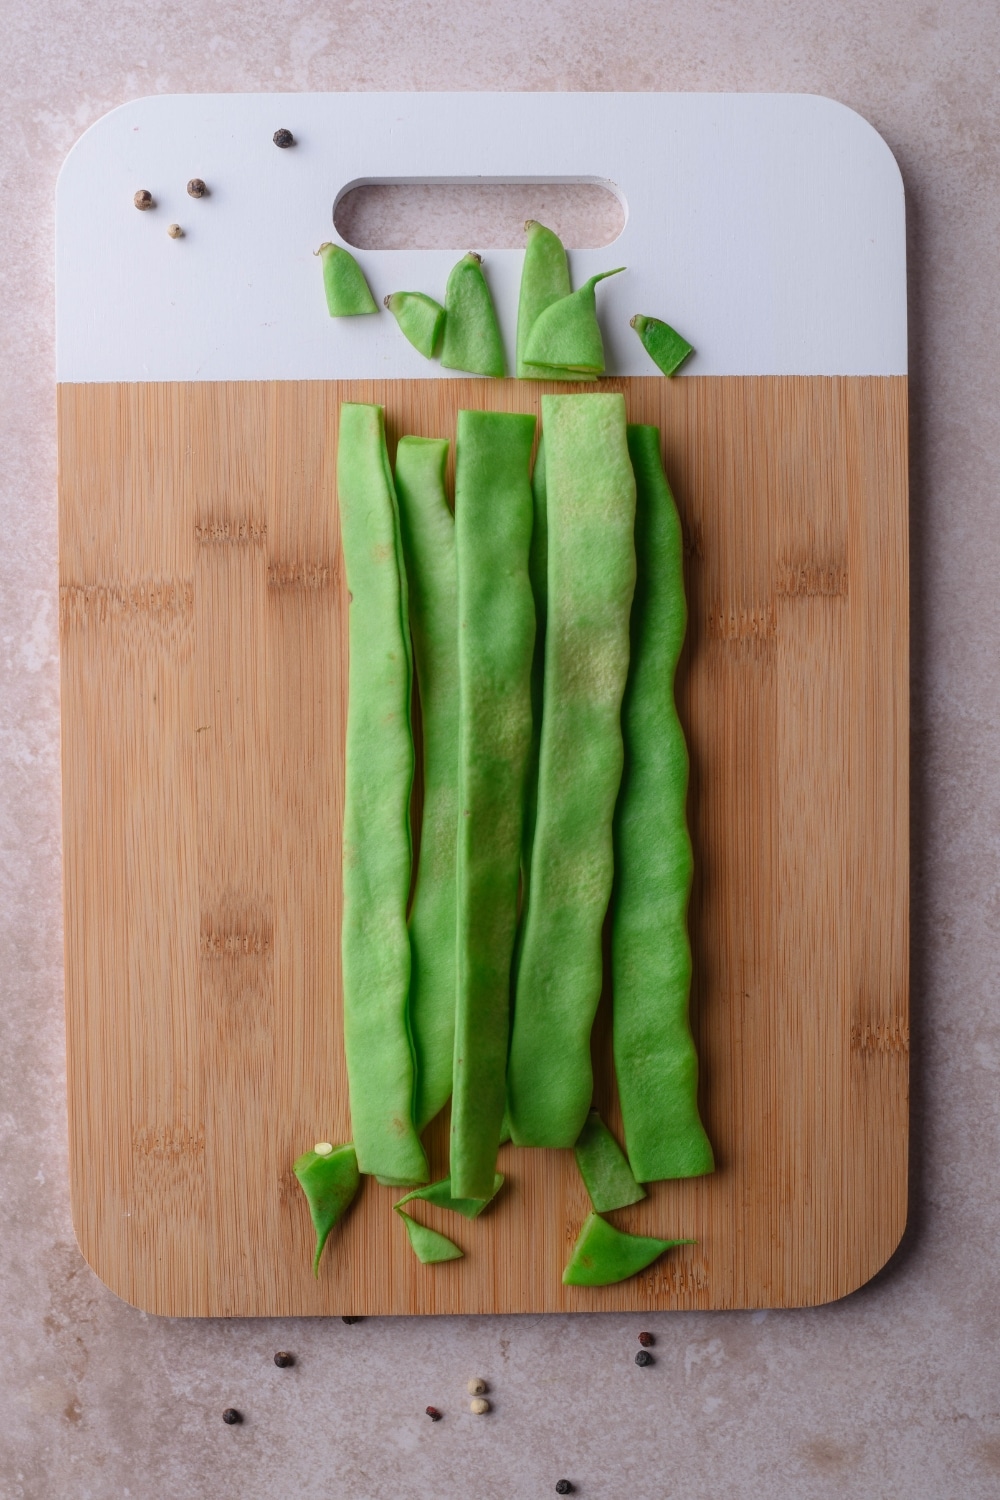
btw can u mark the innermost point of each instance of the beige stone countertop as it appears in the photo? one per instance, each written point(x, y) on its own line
point(892, 1394)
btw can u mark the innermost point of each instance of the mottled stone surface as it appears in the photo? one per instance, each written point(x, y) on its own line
point(894, 1393)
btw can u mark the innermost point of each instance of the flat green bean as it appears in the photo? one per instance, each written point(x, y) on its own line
point(664, 345)
point(420, 319)
point(544, 280)
point(347, 293)
point(567, 334)
point(493, 519)
point(329, 1178)
point(430, 1247)
point(537, 569)
point(590, 495)
point(603, 1254)
point(439, 1193)
point(428, 534)
point(606, 1174)
point(375, 944)
point(471, 332)
point(655, 1058)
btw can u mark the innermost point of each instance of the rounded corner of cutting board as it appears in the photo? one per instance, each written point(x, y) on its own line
point(117, 1275)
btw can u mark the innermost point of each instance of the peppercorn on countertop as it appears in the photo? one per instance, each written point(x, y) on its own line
point(888, 1393)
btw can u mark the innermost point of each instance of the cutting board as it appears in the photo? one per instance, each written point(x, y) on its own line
point(203, 648)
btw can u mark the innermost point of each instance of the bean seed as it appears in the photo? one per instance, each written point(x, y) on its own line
point(232, 1417)
point(196, 188)
point(284, 1360)
point(144, 199)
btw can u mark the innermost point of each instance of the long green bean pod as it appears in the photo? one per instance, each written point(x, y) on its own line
point(428, 532)
point(590, 494)
point(655, 1059)
point(375, 944)
point(493, 519)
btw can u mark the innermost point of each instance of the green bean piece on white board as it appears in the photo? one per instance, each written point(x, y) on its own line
point(347, 291)
point(544, 280)
point(472, 339)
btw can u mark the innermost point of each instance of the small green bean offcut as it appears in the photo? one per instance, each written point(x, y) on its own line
point(472, 339)
point(329, 1179)
point(375, 944)
point(567, 334)
point(655, 1059)
point(493, 520)
point(428, 532)
point(439, 1193)
point(544, 280)
point(606, 1174)
point(664, 345)
point(420, 318)
point(590, 503)
point(603, 1254)
point(347, 293)
point(430, 1247)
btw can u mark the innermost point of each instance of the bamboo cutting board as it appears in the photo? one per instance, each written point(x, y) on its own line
point(203, 638)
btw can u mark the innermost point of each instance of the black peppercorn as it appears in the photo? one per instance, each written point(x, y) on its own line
point(232, 1416)
point(143, 199)
point(283, 138)
point(347, 1319)
point(283, 1359)
point(563, 1487)
point(644, 1357)
point(645, 1339)
point(196, 188)
point(433, 1413)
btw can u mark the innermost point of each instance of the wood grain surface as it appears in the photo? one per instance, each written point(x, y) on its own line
point(203, 637)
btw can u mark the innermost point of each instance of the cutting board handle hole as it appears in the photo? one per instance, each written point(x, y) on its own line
point(452, 214)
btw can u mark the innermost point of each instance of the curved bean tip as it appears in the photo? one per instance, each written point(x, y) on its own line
point(632, 320)
point(475, 255)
